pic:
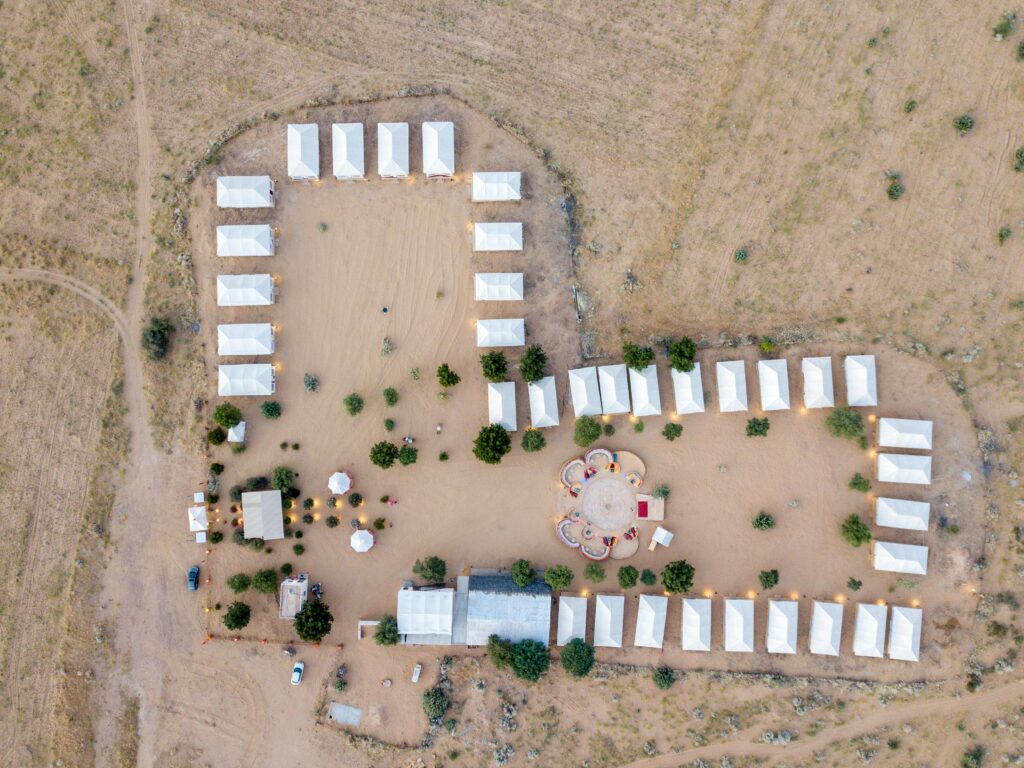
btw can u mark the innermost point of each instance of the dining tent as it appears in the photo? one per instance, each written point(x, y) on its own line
point(496, 606)
point(425, 616)
point(905, 634)
point(901, 558)
point(585, 391)
point(905, 468)
point(543, 402)
point(826, 628)
point(347, 152)
point(902, 513)
point(782, 625)
point(236, 434)
point(688, 390)
point(915, 434)
point(245, 290)
point(498, 236)
point(498, 286)
point(339, 483)
point(739, 626)
point(501, 404)
point(818, 389)
point(251, 379)
point(250, 339)
point(643, 385)
point(695, 629)
point(245, 240)
point(608, 613)
point(245, 192)
point(262, 517)
point(496, 186)
point(773, 377)
point(392, 150)
point(439, 149)
point(572, 619)
point(869, 631)
point(501, 333)
point(614, 388)
point(197, 519)
point(861, 384)
point(732, 386)
point(650, 621)
point(303, 151)
point(361, 541)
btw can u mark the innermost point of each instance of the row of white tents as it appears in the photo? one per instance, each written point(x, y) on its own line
point(245, 339)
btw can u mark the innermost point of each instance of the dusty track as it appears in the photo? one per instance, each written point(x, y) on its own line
point(94, 295)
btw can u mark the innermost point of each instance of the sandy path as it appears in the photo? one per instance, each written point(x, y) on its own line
point(76, 286)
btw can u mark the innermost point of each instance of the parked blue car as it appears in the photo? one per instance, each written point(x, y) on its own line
point(193, 578)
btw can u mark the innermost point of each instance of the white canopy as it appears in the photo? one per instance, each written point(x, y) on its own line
point(245, 192)
point(515, 616)
point(501, 404)
point(782, 625)
point(901, 558)
point(245, 240)
point(439, 149)
point(426, 612)
point(905, 634)
point(818, 389)
point(245, 339)
point(773, 376)
point(614, 388)
point(650, 621)
point(644, 387)
point(197, 520)
point(543, 402)
point(339, 482)
point(236, 434)
point(498, 236)
point(696, 624)
point(240, 380)
point(905, 433)
point(826, 628)
point(499, 286)
point(501, 333)
point(905, 468)
point(586, 393)
point(303, 151)
point(347, 152)
point(869, 632)
point(245, 290)
point(662, 536)
point(361, 541)
point(261, 515)
point(861, 386)
point(902, 513)
point(393, 150)
point(608, 612)
point(739, 626)
point(496, 186)
point(732, 386)
point(688, 390)
point(572, 619)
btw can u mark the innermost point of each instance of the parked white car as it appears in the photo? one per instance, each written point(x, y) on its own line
point(297, 670)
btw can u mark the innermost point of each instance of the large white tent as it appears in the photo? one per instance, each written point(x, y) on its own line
point(496, 186)
point(498, 236)
point(543, 402)
point(650, 621)
point(643, 385)
point(241, 380)
point(245, 339)
point(732, 386)
point(818, 389)
point(696, 624)
point(501, 404)
point(905, 634)
point(303, 151)
point(782, 626)
point(245, 192)
point(902, 513)
point(826, 628)
point(861, 385)
point(245, 240)
point(496, 606)
point(739, 626)
point(901, 558)
point(245, 290)
point(572, 619)
point(425, 616)
point(501, 333)
point(262, 517)
point(915, 434)
point(905, 468)
point(773, 376)
point(614, 388)
point(347, 153)
point(869, 632)
point(499, 286)
point(197, 519)
point(608, 612)
point(586, 393)
point(688, 390)
point(392, 150)
point(439, 149)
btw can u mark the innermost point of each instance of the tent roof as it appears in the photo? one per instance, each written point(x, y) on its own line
point(304, 151)
point(861, 385)
point(496, 186)
point(782, 626)
point(644, 387)
point(426, 611)
point(236, 434)
point(614, 388)
point(902, 513)
point(818, 389)
point(608, 612)
point(245, 192)
point(826, 628)
point(739, 625)
point(905, 634)
point(347, 152)
point(245, 240)
point(197, 519)
point(572, 619)
point(501, 333)
point(586, 393)
point(663, 536)
point(339, 482)
point(249, 379)
point(499, 286)
point(901, 558)
point(245, 290)
point(869, 632)
point(439, 149)
point(732, 385)
point(905, 433)
point(543, 402)
point(261, 515)
point(696, 624)
point(688, 390)
point(501, 404)
point(497, 607)
point(905, 468)
point(650, 621)
point(773, 376)
point(392, 150)
point(498, 236)
point(245, 339)
point(361, 541)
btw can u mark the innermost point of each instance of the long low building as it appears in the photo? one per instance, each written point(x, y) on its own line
point(501, 404)
point(904, 468)
point(245, 290)
point(393, 150)
point(245, 192)
point(506, 332)
point(902, 513)
point(496, 606)
point(245, 240)
point(498, 286)
point(348, 156)
point(245, 339)
point(498, 236)
point(303, 151)
point(496, 186)
point(861, 381)
point(915, 434)
point(438, 140)
point(425, 616)
point(901, 558)
point(543, 403)
point(256, 379)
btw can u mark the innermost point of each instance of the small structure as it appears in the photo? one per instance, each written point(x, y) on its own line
point(782, 626)
point(818, 389)
point(339, 482)
point(425, 616)
point(393, 150)
point(439, 149)
point(688, 390)
point(496, 186)
point(543, 403)
point(732, 386)
point(197, 519)
point(608, 613)
point(739, 625)
point(303, 151)
point(361, 541)
point(826, 628)
point(901, 558)
point(498, 236)
point(245, 192)
point(291, 595)
point(245, 240)
point(650, 508)
point(572, 619)
point(501, 404)
point(696, 624)
point(773, 376)
point(499, 286)
point(915, 434)
point(245, 291)
point(904, 468)
point(501, 333)
point(869, 631)
point(262, 516)
point(905, 634)
point(585, 391)
point(496, 606)
point(236, 434)
point(902, 513)
point(253, 380)
point(347, 153)
point(245, 339)
point(660, 536)
point(650, 621)
point(643, 385)
point(614, 388)
point(861, 385)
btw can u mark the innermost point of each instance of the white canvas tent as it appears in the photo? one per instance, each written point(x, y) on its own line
point(425, 616)
point(643, 385)
point(245, 290)
point(902, 513)
point(361, 541)
point(513, 615)
point(688, 390)
point(236, 434)
point(782, 626)
point(739, 626)
point(439, 149)
point(245, 240)
point(901, 558)
point(915, 434)
point(732, 386)
point(245, 192)
point(543, 403)
point(905, 634)
point(499, 286)
point(696, 624)
point(861, 385)
point(245, 380)
point(245, 339)
point(501, 404)
point(608, 612)
point(586, 393)
point(650, 621)
point(303, 151)
point(773, 376)
point(904, 468)
point(501, 333)
point(572, 619)
point(869, 632)
point(261, 515)
point(614, 388)
point(392, 150)
point(498, 236)
point(496, 186)
point(339, 482)
point(818, 389)
point(197, 519)
point(347, 152)
point(826, 628)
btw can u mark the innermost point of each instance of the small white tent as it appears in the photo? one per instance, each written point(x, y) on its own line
point(782, 626)
point(902, 513)
point(904, 468)
point(197, 519)
point(361, 541)
point(236, 434)
point(261, 515)
point(245, 290)
point(614, 388)
point(245, 240)
point(773, 376)
point(496, 186)
point(643, 385)
point(543, 403)
point(501, 404)
point(499, 286)
point(304, 151)
point(586, 393)
point(392, 150)
point(818, 389)
point(245, 380)
point(650, 621)
point(739, 626)
point(608, 611)
point(901, 558)
point(439, 149)
point(915, 434)
point(249, 339)
point(501, 333)
point(905, 634)
point(861, 385)
point(425, 615)
point(572, 619)
point(869, 632)
point(347, 153)
point(732, 386)
point(688, 390)
point(696, 624)
point(826, 628)
point(339, 482)
point(498, 236)
point(245, 192)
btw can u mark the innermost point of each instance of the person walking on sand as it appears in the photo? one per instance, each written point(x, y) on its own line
point(438, 429)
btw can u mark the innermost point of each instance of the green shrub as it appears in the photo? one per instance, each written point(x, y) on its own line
point(682, 354)
point(431, 569)
point(859, 483)
point(638, 426)
point(494, 366)
point(353, 404)
point(608, 430)
point(216, 537)
point(1003, 234)
point(387, 631)
point(216, 469)
point(156, 338)
point(530, 660)
point(973, 758)
point(964, 124)
point(1018, 160)
point(265, 581)
point(594, 572)
point(313, 622)
point(533, 364)
point(533, 441)
point(855, 531)
point(768, 579)
point(355, 499)
point(237, 616)
point(307, 504)
point(446, 377)
point(845, 422)
point(648, 577)
point(663, 678)
point(216, 436)
point(853, 584)
point(380, 523)
point(239, 583)
point(271, 409)
point(909, 106)
point(577, 658)
point(286, 569)
point(523, 574)
point(1004, 27)
point(587, 431)
point(331, 521)
point(499, 651)
point(661, 492)
point(443, 456)
point(383, 454)
point(492, 443)
point(389, 424)
point(558, 577)
point(407, 455)
point(628, 576)
point(758, 427)
point(672, 431)
point(227, 415)
point(435, 703)
point(637, 357)
point(391, 397)
point(677, 577)
point(741, 255)
point(281, 479)
point(298, 549)
point(766, 345)
point(764, 521)
point(310, 382)
point(895, 190)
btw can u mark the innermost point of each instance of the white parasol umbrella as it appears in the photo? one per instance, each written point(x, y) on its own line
point(197, 519)
point(340, 482)
point(361, 541)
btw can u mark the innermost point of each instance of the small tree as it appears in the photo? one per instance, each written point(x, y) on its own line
point(156, 338)
point(661, 492)
point(281, 479)
point(492, 443)
point(384, 454)
point(845, 422)
point(313, 622)
point(499, 651)
point(681, 354)
point(853, 584)
point(494, 365)
point(391, 397)
point(964, 124)
point(637, 357)
point(271, 409)
point(533, 364)
point(227, 415)
point(387, 630)
point(763, 521)
point(353, 404)
point(859, 483)
point(237, 616)
point(432, 568)
point(523, 574)
point(435, 703)
point(672, 431)
point(758, 427)
point(216, 436)
point(663, 678)
point(768, 579)
point(628, 576)
point(558, 577)
point(855, 531)
point(677, 577)
point(530, 660)
point(578, 658)
point(587, 431)
point(310, 382)
point(648, 577)
point(407, 455)
point(594, 572)
point(533, 441)
point(446, 377)
point(239, 583)
point(265, 581)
